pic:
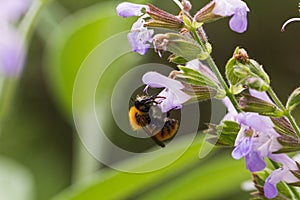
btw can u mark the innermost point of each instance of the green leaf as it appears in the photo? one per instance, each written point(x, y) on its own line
point(230, 73)
point(223, 134)
point(73, 40)
point(16, 181)
point(196, 78)
point(249, 103)
point(179, 45)
point(185, 178)
point(177, 59)
point(293, 100)
point(258, 70)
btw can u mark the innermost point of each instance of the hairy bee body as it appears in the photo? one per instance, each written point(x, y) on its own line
point(145, 114)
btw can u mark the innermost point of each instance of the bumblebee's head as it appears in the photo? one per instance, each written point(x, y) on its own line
point(144, 103)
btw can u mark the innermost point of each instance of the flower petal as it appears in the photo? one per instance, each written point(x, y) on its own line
point(139, 36)
point(11, 10)
point(260, 95)
point(243, 144)
point(173, 99)
point(270, 190)
point(255, 121)
point(254, 162)
point(127, 9)
point(156, 80)
point(227, 7)
point(238, 21)
point(12, 53)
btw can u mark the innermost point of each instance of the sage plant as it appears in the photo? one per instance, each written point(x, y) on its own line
point(258, 126)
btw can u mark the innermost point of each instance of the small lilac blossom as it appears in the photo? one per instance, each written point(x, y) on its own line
point(235, 8)
point(11, 10)
point(139, 37)
point(232, 113)
point(12, 53)
point(282, 174)
point(173, 95)
point(256, 140)
point(127, 9)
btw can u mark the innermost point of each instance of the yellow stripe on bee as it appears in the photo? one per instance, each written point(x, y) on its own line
point(168, 131)
point(132, 118)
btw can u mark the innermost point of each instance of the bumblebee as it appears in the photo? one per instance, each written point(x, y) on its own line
point(145, 114)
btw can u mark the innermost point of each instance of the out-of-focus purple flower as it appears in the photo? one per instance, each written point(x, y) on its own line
point(235, 8)
point(174, 97)
point(139, 37)
point(12, 53)
point(281, 174)
point(127, 9)
point(11, 10)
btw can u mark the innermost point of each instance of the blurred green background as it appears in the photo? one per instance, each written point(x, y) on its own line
point(39, 144)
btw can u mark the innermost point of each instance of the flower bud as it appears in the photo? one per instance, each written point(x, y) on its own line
point(257, 84)
point(252, 104)
point(162, 19)
point(241, 71)
point(283, 127)
point(293, 100)
point(206, 15)
point(187, 6)
point(257, 69)
point(200, 93)
point(241, 55)
point(288, 143)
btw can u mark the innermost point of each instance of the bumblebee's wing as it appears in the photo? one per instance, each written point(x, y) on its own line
point(149, 132)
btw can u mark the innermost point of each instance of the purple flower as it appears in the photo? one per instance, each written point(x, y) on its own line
point(257, 138)
point(139, 37)
point(235, 8)
point(12, 53)
point(255, 141)
point(127, 9)
point(281, 174)
point(174, 97)
point(11, 10)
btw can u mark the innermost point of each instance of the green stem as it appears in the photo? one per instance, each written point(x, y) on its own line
point(295, 192)
point(286, 112)
point(216, 71)
point(8, 84)
point(28, 22)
